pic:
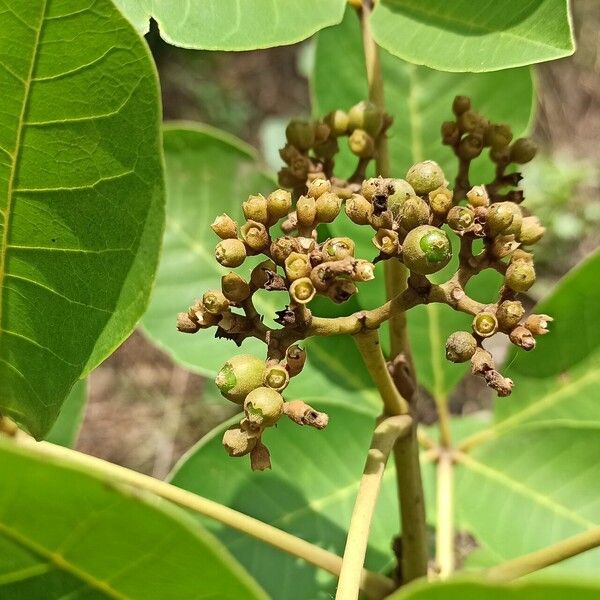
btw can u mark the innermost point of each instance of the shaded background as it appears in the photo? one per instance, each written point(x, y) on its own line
point(144, 412)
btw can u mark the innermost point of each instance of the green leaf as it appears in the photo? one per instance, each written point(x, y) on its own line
point(465, 36)
point(81, 196)
point(472, 590)
point(234, 24)
point(66, 428)
point(64, 533)
point(310, 492)
point(419, 99)
point(208, 173)
point(532, 487)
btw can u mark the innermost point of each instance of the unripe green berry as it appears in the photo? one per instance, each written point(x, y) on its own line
point(295, 358)
point(470, 147)
point(522, 151)
point(426, 250)
point(509, 313)
point(279, 204)
point(460, 347)
point(531, 231)
point(401, 191)
point(300, 134)
point(225, 227)
point(235, 288)
point(230, 253)
point(477, 196)
point(485, 324)
point(255, 235)
point(263, 406)
point(366, 116)
point(239, 376)
point(461, 104)
point(460, 218)
point(387, 242)
point(302, 290)
point(255, 209)
point(341, 290)
point(338, 122)
point(361, 144)
point(337, 248)
point(215, 302)
point(238, 442)
point(358, 209)
point(425, 177)
point(318, 186)
point(520, 276)
point(277, 377)
point(261, 273)
point(297, 265)
point(328, 207)
point(306, 211)
point(413, 212)
point(282, 247)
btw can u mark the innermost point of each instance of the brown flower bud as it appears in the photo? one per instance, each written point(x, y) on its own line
point(363, 270)
point(262, 272)
point(425, 177)
point(337, 248)
point(538, 324)
point(500, 155)
point(279, 204)
point(478, 196)
point(235, 288)
point(498, 135)
point(468, 121)
point(387, 242)
point(383, 220)
point(361, 144)
point(481, 361)
point(522, 151)
point(260, 458)
point(302, 290)
point(485, 324)
point(215, 302)
point(255, 235)
point(531, 231)
point(341, 290)
point(460, 347)
point(256, 209)
point(520, 275)
point(461, 104)
point(496, 381)
point(327, 149)
point(300, 134)
point(282, 247)
point(238, 441)
point(306, 211)
point(522, 337)
point(318, 186)
point(203, 317)
point(225, 227)
point(328, 207)
point(509, 313)
point(358, 209)
point(277, 377)
point(470, 147)
point(338, 122)
point(450, 133)
point(297, 265)
point(230, 253)
point(460, 218)
point(187, 323)
point(295, 358)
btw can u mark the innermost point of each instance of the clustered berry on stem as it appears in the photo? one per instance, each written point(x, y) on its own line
point(411, 218)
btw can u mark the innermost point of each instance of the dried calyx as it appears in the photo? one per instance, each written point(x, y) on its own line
point(412, 220)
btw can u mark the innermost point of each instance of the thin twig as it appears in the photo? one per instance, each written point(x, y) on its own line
point(444, 542)
point(374, 585)
point(384, 438)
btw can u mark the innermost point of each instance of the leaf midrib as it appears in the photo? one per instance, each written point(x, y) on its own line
point(16, 155)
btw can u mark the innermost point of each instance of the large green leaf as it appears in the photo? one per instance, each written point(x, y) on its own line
point(234, 24)
point(310, 492)
point(208, 173)
point(419, 99)
point(81, 196)
point(473, 590)
point(474, 36)
point(66, 428)
point(533, 487)
point(64, 533)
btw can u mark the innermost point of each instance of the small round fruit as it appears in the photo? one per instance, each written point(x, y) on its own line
point(337, 121)
point(460, 347)
point(460, 218)
point(238, 442)
point(239, 376)
point(279, 204)
point(230, 253)
point(425, 177)
point(426, 250)
point(263, 406)
point(522, 151)
point(509, 313)
point(485, 324)
point(300, 134)
point(361, 144)
point(365, 115)
point(520, 276)
point(461, 104)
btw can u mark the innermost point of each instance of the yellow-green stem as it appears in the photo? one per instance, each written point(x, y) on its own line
point(385, 435)
point(444, 542)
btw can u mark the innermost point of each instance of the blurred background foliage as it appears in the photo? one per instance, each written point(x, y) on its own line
point(143, 411)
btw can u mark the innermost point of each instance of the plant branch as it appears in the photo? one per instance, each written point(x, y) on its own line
point(374, 585)
point(384, 437)
point(529, 563)
point(444, 542)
